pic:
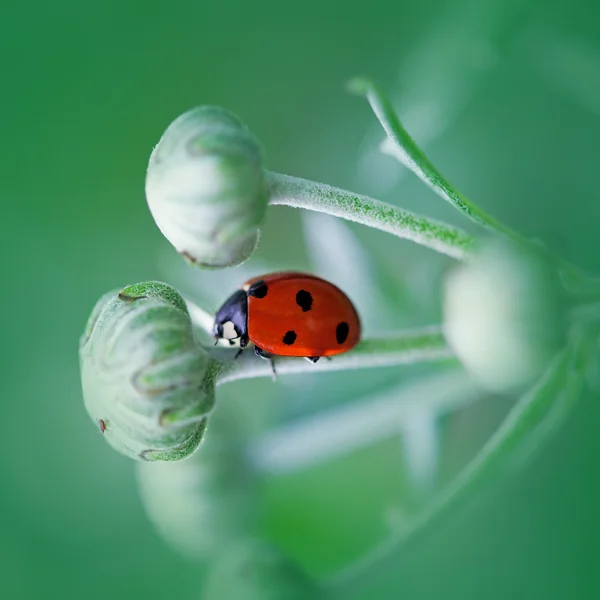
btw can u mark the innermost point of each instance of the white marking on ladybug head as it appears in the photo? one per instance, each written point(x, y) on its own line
point(229, 332)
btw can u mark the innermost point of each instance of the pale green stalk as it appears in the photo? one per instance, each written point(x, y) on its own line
point(301, 193)
point(404, 347)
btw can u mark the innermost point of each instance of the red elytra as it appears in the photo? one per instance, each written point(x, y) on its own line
point(290, 314)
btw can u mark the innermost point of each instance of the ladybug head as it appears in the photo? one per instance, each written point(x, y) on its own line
point(231, 320)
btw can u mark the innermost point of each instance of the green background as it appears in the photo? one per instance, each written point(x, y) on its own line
point(507, 101)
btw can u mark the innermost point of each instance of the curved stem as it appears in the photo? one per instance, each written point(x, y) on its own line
point(301, 193)
point(405, 347)
point(404, 148)
point(555, 392)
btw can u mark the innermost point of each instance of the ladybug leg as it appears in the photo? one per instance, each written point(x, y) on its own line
point(238, 353)
point(267, 356)
point(314, 359)
point(260, 352)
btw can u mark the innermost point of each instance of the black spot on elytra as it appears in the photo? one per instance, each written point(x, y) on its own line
point(258, 289)
point(341, 332)
point(304, 300)
point(289, 338)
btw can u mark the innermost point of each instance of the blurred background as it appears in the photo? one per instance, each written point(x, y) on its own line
point(505, 97)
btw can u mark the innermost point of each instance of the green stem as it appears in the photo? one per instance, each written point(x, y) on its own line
point(404, 347)
point(555, 393)
point(301, 193)
point(404, 148)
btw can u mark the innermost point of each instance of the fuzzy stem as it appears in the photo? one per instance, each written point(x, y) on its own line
point(404, 347)
point(301, 193)
point(557, 390)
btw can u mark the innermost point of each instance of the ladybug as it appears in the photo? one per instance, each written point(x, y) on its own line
point(289, 314)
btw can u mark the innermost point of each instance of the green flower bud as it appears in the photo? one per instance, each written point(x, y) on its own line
point(206, 187)
point(504, 315)
point(201, 505)
point(142, 373)
point(255, 571)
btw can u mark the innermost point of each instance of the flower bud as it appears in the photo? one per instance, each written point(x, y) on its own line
point(201, 505)
point(142, 373)
point(504, 315)
point(253, 570)
point(206, 188)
